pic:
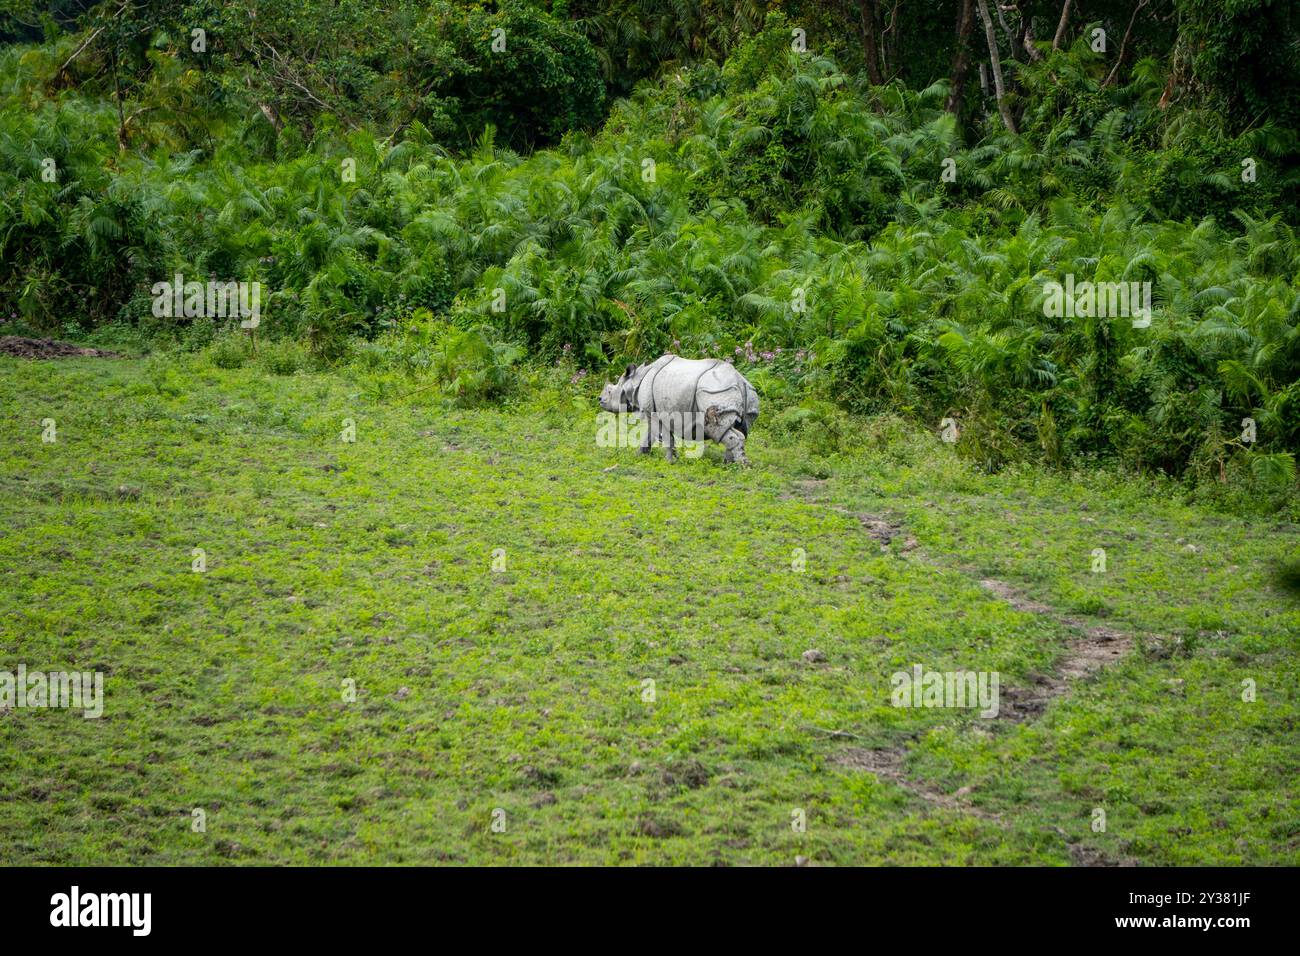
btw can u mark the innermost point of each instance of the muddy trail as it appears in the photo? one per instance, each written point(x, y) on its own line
point(1089, 648)
point(20, 347)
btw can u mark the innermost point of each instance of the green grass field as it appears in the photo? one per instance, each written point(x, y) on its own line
point(333, 564)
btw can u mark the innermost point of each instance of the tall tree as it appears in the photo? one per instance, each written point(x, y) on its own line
point(1003, 107)
point(961, 57)
point(868, 16)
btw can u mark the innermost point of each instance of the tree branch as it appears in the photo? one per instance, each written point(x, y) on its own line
point(1060, 27)
point(77, 52)
point(1123, 45)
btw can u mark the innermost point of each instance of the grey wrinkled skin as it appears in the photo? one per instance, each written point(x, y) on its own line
point(693, 399)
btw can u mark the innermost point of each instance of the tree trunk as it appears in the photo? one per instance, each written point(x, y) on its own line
point(998, 87)
point(122, 143)
point(272, 116)
point(867, 12)
point(1027, 40)
point(961, 59)
point(1060, 27)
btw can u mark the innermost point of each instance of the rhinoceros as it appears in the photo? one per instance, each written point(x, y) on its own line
point(692, 399)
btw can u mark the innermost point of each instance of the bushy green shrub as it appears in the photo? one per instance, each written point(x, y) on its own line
point(229, 350)
point(472, 366)
point(283, 357)
point(823, 428)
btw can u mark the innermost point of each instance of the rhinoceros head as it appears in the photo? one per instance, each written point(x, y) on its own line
point(620, 396)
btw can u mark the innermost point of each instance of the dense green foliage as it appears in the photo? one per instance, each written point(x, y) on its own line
point(853, 245)
point(1244, 54)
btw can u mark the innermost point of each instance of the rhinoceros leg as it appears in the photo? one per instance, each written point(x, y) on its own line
point(647, 440)
point(670, 444)
point(720, 426)
point(660, 429)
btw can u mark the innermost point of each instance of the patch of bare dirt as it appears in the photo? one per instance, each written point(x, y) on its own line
point(886, 763)
point(1014, 597)
point(881, 528)
point(21, 347)
point(1081, 855)
point(1092, 648)
point(658, 828)
point(688, 773)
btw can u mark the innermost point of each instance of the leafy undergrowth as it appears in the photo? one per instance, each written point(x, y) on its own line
point(523, 689)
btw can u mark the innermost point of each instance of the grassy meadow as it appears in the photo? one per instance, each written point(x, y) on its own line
point(499, 591)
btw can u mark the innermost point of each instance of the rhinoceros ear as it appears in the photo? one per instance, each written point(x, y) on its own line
point(627, 373)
